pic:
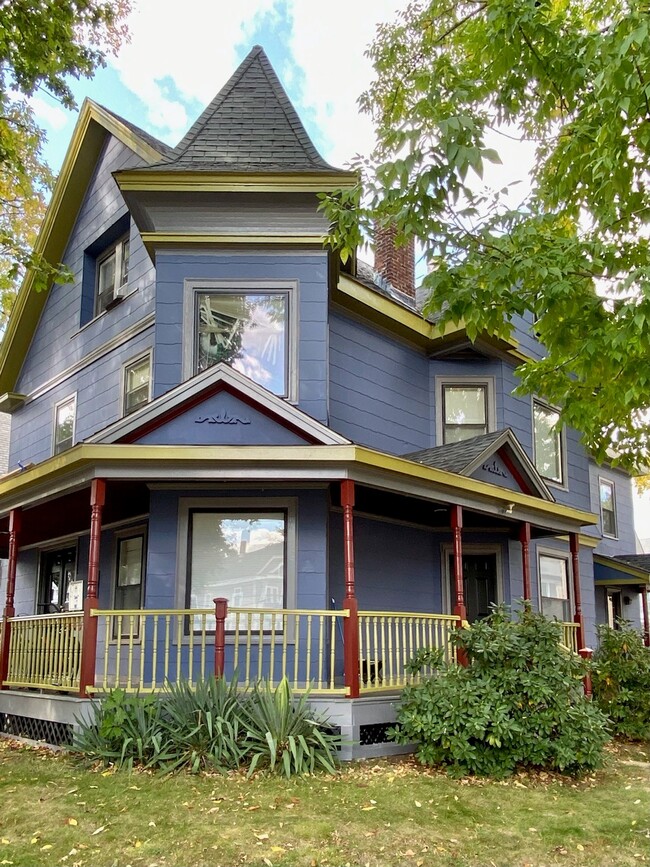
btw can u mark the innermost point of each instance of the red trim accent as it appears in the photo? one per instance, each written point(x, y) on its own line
point(516, 474)
point(195, 400)
point(574, 545)
point(89, 645)
point(351, 623)
point(524, 538)
point(15, 524)
point(460, 609)
point(220, 613)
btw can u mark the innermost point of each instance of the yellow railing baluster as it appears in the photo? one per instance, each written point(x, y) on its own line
point(108, 623)
point(118, 653)
point(204, 621)
point(154, 652)
point(260, 646)
point(129, 667)
point(235, 656)
point(166, 668)
point(179, 646)
point(321, 649)
point(296, 653)
point(272, 651)
point(308, 656)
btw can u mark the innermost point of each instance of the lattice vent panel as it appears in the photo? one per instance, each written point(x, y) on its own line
point(375, 733)
point(54, 733)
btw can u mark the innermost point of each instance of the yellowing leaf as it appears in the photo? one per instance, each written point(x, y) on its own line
point(71, 822)
point(4, 841)
point(138, 843)
point(262, 836)
point(580, 847)
point(46, 847)
point(98, 830)
point(418, 804)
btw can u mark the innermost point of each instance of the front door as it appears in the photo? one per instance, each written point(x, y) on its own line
point(479, 583)
point(614, 607)
point(58, 571)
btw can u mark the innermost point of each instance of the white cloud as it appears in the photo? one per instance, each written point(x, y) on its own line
point(191, 44)
point(54, 116)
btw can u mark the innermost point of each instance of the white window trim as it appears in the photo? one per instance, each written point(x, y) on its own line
point(60, 403)
point(563, 484)
point(612, 483)
point(291, 287)
point(557, 555)
point(487, 382)
point(287, 504)
point(130, 363)
point(446, 549)
point(116, 247)
point(128, 533)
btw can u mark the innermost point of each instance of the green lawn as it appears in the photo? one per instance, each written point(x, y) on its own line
point(375, 813)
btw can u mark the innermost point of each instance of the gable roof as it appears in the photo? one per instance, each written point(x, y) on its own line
point(220, 377)
point(250, 126)
point(95, 123)
point(466, 456)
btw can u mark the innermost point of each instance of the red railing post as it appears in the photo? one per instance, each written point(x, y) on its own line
point(524, 538)
point(460, 610)
point(586, 654)
point(350, 603)
point(15, 523)
point(89, 638)
point(574, 545)
point(220, 613)
point(646, 620)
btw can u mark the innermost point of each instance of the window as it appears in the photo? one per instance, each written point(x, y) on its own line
point(129, 578)
point(64, 417)
point(137, 383)
point(239, 555)
point(464, 411)
point(548, 442)
point(607, 508)
point(248, 329)
point(554, 587)
point(112, 275)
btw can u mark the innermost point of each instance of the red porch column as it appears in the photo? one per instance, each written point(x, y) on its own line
point(646, 621)
point(15, 522)
point(524, 538)
point(351, 622)
point(574, 545)
point(89, 646)
point(460, 610)
point(220, 613)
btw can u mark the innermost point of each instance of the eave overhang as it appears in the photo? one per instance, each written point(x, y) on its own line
point(90, 133)
point(239, 182)
point(435, 340)
point(281, 464)
point(628, 574)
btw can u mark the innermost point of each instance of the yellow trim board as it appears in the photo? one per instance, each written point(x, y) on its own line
point(621, 566)
point(158, 238)
point(251, 182)
point(392, 315)
point(88, 138)
point(346, 456)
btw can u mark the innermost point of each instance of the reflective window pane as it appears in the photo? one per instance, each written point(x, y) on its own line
point(548, 442)
point(64, 426)
point(238, 556)
point(553, 577)
point(607, 507)
point(248, 331)
point(136, 384)
point(465, 412)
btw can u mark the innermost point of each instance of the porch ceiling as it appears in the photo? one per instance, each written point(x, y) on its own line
point(289, 464)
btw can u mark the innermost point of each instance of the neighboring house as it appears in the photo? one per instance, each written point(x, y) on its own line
point(215, 408)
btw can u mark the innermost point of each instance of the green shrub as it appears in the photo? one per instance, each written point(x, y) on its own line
point(124, 730)
point(283, 735)
point(518, 703)
point(201, 728)
point(621, 680)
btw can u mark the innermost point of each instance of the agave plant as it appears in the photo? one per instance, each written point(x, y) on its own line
point(201, 726)
point(283, 734)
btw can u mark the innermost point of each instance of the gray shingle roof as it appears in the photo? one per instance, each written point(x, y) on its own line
point(162, 148)
point(455, 457)
point(250, 126)
point(641, 561)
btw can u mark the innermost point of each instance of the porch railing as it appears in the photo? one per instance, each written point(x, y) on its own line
point(142, 649)
point(570, 635)
point(388, 640)
point(45, 651)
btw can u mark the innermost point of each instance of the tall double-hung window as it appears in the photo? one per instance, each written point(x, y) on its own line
point(607, 508)
point(554, 587)
point(465, 409)
point(548, 437)
point(249, 328)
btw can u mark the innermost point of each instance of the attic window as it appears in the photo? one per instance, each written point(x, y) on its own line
point(112, 275)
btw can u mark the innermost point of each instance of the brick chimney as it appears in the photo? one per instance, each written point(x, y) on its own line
point(395, 264)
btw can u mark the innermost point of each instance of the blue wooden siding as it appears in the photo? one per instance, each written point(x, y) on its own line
point(379, 388)
point(162, 589)
point(58, 342)
point(222, 420)
point(310, 270)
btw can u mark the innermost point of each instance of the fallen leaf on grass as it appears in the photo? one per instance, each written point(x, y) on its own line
point(71, 821)
point(267, 862)
point(418, 804)
point(46, 847)
point(262, 836)
point(580, 847)
point(4, 841)
point(368, 807)
point(98, 830)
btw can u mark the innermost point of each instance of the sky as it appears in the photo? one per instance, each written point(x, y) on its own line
point(181, 53)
